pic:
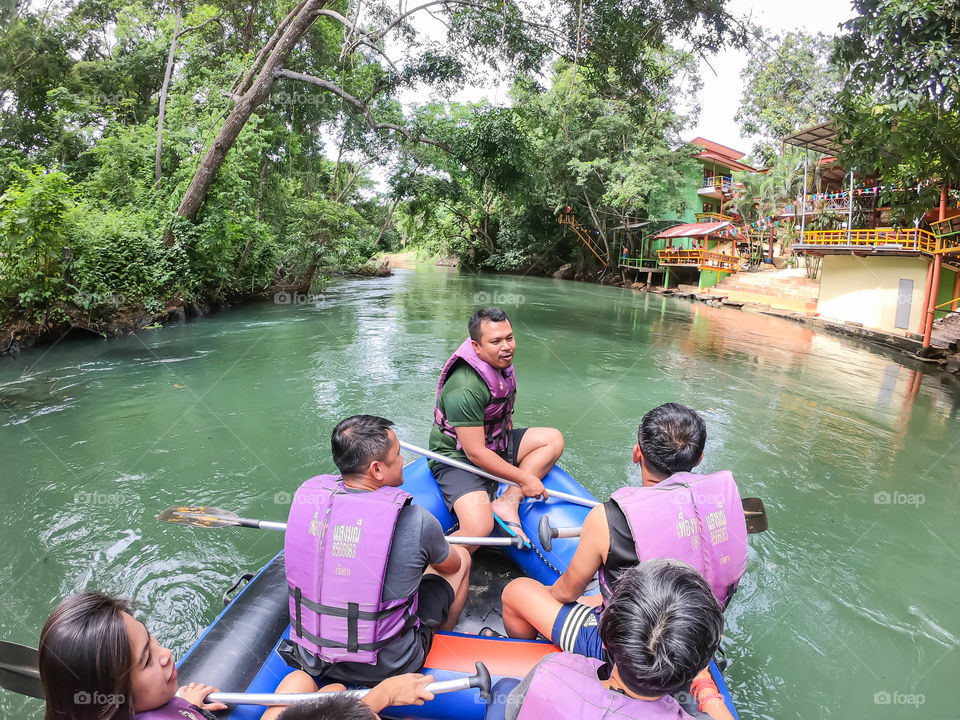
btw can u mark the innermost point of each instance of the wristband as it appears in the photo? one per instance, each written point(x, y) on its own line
point(701, 683)
point(709, 698)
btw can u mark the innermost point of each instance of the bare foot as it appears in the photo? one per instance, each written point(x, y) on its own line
point(507, 507)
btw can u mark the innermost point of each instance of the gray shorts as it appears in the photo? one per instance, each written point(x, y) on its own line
point(455, 483)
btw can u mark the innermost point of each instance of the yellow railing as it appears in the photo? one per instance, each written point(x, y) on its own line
point(717, 181)
point(713, 217)
point(922, 240)
point(948, 302)
point(703, 259)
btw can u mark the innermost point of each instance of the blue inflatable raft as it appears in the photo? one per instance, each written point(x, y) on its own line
point(238, 652)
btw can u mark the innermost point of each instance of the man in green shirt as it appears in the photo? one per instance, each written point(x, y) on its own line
point(473, 422)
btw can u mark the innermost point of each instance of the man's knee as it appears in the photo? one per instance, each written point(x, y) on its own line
point(519, 593)
point(555, 441)
point(466, 560)
point(474, 513)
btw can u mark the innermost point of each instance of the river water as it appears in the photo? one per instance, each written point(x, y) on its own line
point(848, 605)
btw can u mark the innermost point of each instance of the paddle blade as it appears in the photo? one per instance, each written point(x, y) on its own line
point(203, 517)
point(18, 670)
point(755, 514)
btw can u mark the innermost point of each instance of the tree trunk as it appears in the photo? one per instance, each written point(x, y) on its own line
point(163, 95)
point(259, 91)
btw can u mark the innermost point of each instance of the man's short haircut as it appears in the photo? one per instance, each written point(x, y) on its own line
point(661, 627)
point(672, 438)
point(487, 314)
point(358, 441)
point(334, 708)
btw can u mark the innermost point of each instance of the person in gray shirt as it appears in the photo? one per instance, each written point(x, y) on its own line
point(367, 453)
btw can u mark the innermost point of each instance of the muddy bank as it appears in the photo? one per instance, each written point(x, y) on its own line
point(73, 322)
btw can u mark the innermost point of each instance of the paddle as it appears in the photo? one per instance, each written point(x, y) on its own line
point(480, 680)
point(211, 517)
point(18, 669)
point(576, 499)
point(753, 510)
point(19, 673)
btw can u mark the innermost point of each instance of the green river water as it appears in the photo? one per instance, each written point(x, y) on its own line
point(848, 608)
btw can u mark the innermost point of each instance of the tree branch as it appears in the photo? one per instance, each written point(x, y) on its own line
point(216, 19)
point(362, 108)
point(243, 84)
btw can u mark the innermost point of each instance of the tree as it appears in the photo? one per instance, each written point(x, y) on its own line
point(899, 108)
point(788, 84)
point(499, 31)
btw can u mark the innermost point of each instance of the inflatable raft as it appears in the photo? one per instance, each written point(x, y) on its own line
point(238, 652)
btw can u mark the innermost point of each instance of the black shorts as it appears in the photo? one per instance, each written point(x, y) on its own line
point(455, 483)
point(434, 600)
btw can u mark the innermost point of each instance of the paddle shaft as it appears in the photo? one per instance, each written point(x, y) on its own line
point(548, 533)
point(19, 673)
point(437, 688)
point(516, 541)
point(576, 499)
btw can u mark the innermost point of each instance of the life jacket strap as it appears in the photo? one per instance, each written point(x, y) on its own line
point(351, 612)
point(410, 620)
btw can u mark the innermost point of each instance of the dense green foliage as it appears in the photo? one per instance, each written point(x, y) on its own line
point(110, 110)
point(788, 84)
point(901, 102)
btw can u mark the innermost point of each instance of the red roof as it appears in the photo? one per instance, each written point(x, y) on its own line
point(721, 153)
point(693, 230)
point(717, 148)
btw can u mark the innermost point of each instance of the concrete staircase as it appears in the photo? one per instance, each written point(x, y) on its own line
point(784, 289)
point(946, 330)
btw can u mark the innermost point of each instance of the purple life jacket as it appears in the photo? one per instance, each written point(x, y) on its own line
point(498, 415)
point(337, 545)
point(694, 518)
point(176, 709)
point(565, 686)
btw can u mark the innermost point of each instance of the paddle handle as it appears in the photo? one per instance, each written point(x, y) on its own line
point(480, 680)
point(576, 499)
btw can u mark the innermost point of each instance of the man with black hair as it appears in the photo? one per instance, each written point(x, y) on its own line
point(661, 631)
point(674, 514)
point(371, 576)
point(473, 422)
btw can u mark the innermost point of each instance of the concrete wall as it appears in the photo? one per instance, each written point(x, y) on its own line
point(865, 290)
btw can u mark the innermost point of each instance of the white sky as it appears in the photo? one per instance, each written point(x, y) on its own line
point(720, 97)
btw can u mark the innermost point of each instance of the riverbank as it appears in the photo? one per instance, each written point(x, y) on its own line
point(23, 333)
point(913, 348)
point(910, 346)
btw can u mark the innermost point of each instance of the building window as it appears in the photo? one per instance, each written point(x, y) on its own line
point(708, 207)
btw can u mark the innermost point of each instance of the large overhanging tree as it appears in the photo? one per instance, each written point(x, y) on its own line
point(900, 105)
point(507, 36)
